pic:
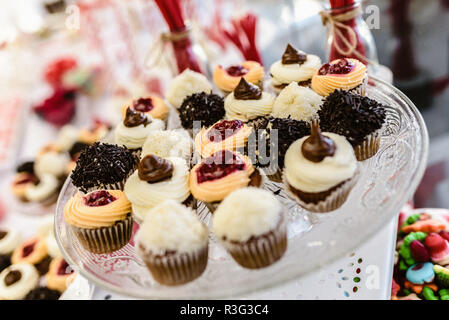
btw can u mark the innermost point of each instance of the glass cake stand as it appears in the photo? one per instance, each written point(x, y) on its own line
point(314, 240)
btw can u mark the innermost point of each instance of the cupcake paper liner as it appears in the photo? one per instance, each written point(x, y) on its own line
point(260, 251)
point(368, 148)
point(176, 268)
point(106, 239)
point(332, 202)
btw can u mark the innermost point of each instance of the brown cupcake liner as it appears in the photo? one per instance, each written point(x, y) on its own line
point(323, 202)
point(175, 268)
point(106, 239)
point(260, 251)
point(368, 148)
point(275, 177)
point(110, 186)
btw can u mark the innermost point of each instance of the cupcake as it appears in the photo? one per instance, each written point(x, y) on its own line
point(173, 243)
point(23, 179)
point(101, 220)
point(320, 170)
point(33, 251)
point(151, 105)
point(441, 276)
point(295, 66)
point(103, 166)
point(134, 129)
point(9, 240)
point(251, 226)
point(169, 143)
point(186, 84)
point(358, 118)
point(248, 102)
point(17, 281)
point(296, 102)
point(345, 74)
point(59, 276)
point(44, 191)
point(202, 107)
point(225, 134)
point(155, 180)
point(43, 293)
point(279, 134)
point(227, 79)
point(220, 174)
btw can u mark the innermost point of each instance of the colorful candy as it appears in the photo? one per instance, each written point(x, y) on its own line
point(441, 276)
point(430, 225)
point(405, 251)
point(419, 251)
point(438, 247)
point(429, 294)
point(420, 273)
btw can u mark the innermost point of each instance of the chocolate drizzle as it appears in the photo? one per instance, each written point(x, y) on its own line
point(247, 91)
point(12, 277)
point(292, 56)
point(154, 169)
point(316, 147)
point(135, 118)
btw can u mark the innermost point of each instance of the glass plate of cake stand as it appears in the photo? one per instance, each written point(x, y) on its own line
point(314, 240)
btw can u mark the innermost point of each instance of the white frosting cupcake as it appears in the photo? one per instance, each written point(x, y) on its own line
point(29, 278)
point(186, 84)
point(144, 196)
point(170, 226)
point(134, 137)
point(314, 177)
point(169, 143)
point(51, 162)
point(11, 240)
point(246, 213)
point(300, 103)
point(47, 187)
point(245, 110)
point(287, 73)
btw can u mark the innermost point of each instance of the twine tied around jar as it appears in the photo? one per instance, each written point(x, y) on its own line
point(157, 51)
point(336, 22)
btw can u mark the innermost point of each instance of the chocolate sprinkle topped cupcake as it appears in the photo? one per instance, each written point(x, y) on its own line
point(42, 293)
point(351, 115)
point(207, 108)
point(102, 165)
point(289, 130)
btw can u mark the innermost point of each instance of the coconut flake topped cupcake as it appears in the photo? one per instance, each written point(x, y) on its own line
point(225, 134)
point(247, 102)
point(134, 129)
point(346, 74)
point(320, 170)
point(155, 180)
point(150, 105)
point(227, 79)
point(250, 224)
point(296, 102)
point(186, 84)
point(168, 143)
point(295, 66)
point(173, 243)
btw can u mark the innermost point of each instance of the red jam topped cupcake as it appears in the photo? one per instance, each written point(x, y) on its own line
point(220, 174)
point(237, 71)
point(343, 66)
point(224, 130)
point(33, 251)
point(150, 105)
point(59, 275)
point(345, 74)
point(227, 79)
point(98, 198)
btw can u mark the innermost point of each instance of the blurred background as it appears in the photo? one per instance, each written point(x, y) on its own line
point(108, 43)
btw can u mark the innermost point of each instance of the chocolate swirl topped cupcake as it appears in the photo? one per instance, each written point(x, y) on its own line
point(154, 169)
point(247, 102)
point(320, 170)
